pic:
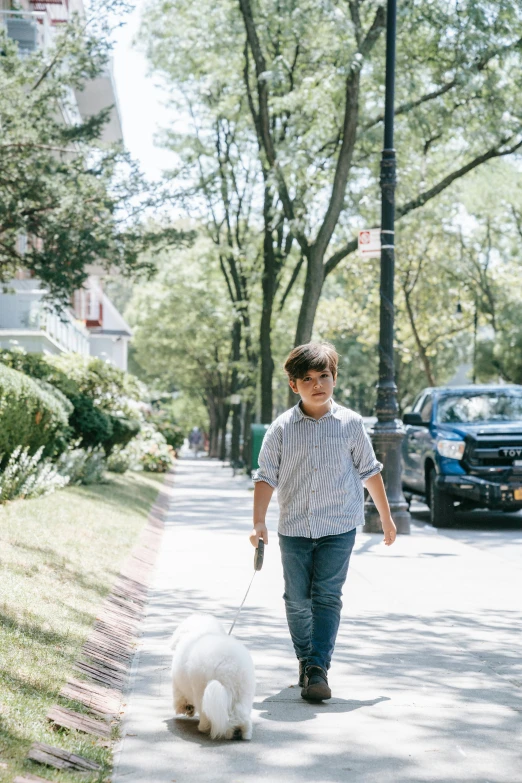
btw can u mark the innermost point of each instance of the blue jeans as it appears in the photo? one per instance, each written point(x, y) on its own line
point(315, 571)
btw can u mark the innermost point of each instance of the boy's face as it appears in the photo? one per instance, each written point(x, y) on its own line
point(316, 388)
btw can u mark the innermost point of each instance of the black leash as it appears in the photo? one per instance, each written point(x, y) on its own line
point(258, 565)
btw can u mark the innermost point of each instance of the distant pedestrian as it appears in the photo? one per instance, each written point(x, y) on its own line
point(318, 455)
point(196, 441)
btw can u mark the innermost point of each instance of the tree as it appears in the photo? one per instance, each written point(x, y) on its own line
point(311, 78)
point(182, 338)
point(478, 55)
point(436, 287)
point(224, 185)
point(468, 57)
point(224, 177)
point(65, 200)
point(489, 253)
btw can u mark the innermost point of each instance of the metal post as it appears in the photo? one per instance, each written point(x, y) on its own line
point(475, 329)
point(388, 433)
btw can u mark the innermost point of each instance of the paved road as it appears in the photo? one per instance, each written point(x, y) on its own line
point(427, 676)
point(497, 533)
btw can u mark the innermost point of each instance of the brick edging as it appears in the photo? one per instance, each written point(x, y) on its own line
point(106, 656)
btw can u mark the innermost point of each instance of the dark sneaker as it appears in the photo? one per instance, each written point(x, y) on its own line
point(316, 686)
point(302, 669)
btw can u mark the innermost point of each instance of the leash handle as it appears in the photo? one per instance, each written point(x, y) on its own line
point(259, 555)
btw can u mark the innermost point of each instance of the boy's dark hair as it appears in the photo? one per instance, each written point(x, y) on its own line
point(311, 356)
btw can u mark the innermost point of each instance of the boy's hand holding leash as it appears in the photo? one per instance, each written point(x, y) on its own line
point(262, 494)
point(259, 532)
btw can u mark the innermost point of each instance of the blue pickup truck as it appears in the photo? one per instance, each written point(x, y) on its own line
point(463, 450)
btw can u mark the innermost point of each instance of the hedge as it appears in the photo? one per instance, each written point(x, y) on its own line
point(91, 425)
point(123, 431)
point(98, 393)
point(31, 415)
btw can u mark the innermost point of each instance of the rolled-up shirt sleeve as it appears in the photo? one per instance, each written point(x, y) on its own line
point(269, 457)
point(363, 455)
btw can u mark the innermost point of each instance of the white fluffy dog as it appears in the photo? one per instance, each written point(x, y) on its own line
point(212, 675)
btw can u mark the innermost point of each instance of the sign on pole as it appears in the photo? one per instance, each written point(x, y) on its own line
point(370, 243)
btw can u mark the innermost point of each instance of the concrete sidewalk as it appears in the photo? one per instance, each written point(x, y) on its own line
point(427, 673)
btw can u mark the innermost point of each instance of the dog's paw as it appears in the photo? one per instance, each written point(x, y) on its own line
point(182, 708)
point(243, 732)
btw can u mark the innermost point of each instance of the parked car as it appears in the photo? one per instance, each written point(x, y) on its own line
point(463, 450)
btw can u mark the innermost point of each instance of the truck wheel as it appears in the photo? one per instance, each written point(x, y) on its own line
point(442, 509)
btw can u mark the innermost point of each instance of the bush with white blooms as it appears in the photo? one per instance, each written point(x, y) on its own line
point(28, 476)
point(148, 451)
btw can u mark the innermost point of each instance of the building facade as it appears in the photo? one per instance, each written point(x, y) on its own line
point(92, 325)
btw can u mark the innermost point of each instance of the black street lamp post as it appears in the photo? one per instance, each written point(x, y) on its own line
point(388, 432)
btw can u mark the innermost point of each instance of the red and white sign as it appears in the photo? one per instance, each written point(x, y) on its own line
point(370, 243)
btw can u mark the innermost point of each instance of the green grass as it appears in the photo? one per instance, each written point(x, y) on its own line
point(59, 556)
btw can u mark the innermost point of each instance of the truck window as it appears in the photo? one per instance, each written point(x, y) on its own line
point(418, 403)
point(486, 406)
point(427, 407)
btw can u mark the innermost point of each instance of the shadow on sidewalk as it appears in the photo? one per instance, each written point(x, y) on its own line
point(480, 520)
point(187, 729)
point(432, 696)
point(446, 657)
point(309, 710)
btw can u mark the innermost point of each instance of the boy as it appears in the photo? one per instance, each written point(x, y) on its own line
point(318, 455)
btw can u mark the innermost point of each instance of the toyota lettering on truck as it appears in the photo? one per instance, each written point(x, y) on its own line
point(463, 450)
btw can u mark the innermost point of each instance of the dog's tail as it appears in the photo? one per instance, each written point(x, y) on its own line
point(215, 707)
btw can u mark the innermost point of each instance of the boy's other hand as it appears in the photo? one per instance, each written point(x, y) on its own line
point(259, 531)
point(389, 530)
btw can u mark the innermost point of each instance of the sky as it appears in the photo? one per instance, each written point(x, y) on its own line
point(140, 100)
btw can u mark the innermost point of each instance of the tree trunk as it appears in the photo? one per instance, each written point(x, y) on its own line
point(247, 437)
point(235, 447)
point(225, 412)
point(267, 367)
point(265, 334)
point(292, 398)
point(234, 389)
point(422, 350)
point(213, 449)
point(311, 295)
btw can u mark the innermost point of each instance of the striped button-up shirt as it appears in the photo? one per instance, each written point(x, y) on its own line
point(318, 467)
